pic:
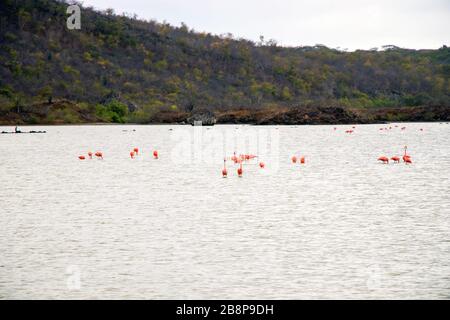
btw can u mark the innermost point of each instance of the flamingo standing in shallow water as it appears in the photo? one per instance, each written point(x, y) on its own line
point(406, 156)
point(384, 159)
point(224, 170)
point(234, 158)
point(239, 170)
point(396, 159)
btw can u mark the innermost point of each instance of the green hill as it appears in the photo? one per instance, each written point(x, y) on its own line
point(119, 69)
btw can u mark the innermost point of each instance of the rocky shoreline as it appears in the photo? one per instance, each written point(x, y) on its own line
point(336, 115)
point(274, 116)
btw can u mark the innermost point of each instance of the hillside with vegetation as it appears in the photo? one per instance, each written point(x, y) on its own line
point(121, 69)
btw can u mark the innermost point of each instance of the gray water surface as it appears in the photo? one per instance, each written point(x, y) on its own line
point(341, 226)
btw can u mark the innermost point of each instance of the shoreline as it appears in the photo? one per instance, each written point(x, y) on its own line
point(218, 124)
point(312, 115)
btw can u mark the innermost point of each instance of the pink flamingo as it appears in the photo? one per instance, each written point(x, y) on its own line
point(407, 157)
point(239, 170)
point(224, 170)
point(385, 160)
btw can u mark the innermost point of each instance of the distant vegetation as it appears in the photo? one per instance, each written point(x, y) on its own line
point(120, 69)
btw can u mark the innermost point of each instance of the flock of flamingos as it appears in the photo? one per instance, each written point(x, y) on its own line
point(406, 158)
point(99, 155)
point(242, 158)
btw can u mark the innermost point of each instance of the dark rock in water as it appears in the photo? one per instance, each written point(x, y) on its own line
point(19, 132)
point(204, 118)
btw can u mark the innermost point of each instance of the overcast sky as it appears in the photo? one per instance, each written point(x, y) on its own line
point(351, 24)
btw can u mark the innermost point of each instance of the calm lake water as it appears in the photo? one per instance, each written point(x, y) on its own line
point(340, 226)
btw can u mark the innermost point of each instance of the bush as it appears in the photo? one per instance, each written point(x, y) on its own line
point(5, 104)
point(114, 111)
point(7, 92)
point(416, 100)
